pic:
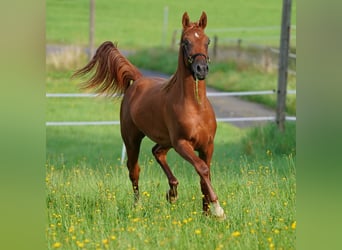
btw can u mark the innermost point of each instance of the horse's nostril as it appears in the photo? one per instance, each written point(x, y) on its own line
point(198, 68)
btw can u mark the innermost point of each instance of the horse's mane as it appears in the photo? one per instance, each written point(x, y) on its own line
point(168, 85)
point(113, 72)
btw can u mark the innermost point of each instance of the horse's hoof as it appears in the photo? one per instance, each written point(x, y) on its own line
point(222, 217)
point(171, 198)
point(217, 211)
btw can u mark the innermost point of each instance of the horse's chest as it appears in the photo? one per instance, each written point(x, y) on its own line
point(198, 127)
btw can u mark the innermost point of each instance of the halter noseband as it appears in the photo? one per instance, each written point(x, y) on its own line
point(191, 58)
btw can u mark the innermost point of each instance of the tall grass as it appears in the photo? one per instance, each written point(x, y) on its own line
point(91, 206)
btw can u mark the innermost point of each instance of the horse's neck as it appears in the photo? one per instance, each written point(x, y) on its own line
point(188, 88)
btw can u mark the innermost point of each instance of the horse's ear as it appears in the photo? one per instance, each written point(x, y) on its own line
point(203, 20)
point(185, 20)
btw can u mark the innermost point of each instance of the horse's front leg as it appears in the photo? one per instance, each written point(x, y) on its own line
point(206, 155)
point(185, 149)
point(159, 153)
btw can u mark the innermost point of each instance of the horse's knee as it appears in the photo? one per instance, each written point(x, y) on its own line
point(203, 170)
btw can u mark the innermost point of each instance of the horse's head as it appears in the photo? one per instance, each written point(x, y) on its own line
point(194, 43)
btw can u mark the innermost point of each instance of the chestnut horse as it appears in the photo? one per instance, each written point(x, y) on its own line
point(174, 113)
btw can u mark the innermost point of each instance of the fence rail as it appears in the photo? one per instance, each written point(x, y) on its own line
point(214, 94)
point(240, 33)
point(102, 123)
point(209, 94)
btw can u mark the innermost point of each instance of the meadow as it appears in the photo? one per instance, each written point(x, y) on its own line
point(89, 198)
point(136, 24)
point(89, 195)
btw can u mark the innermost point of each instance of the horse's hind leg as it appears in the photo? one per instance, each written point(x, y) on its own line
point(159, 153)
point(132, 144)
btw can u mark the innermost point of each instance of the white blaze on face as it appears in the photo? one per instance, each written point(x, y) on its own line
point(196, 35)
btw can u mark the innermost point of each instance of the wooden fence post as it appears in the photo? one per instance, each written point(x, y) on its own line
point(215, 46)
point(283, 65)
point(91, 28)
point(239, 41)
point(173, 39)
point(166, 20)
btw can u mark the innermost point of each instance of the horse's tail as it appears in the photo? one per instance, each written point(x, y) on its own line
point(113, 72)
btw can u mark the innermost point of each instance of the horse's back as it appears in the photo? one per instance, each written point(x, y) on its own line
point(144, 92)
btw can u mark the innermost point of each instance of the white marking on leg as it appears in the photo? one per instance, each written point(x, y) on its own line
point(196, 35)
point(217, 210)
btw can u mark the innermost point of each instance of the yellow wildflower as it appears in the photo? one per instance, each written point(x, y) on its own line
point(57, 245)
point(198, 231)
point(293, 225)
point(236, 234)
point(137, 219)
point(146, 194)
point(80, 244)
point(71, 229)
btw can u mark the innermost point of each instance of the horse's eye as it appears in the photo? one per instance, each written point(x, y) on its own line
point(185, 43)
point(208, 41)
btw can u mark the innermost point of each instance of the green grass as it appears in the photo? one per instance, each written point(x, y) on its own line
point(92, 208)
point(89, 196)
point(139, 24)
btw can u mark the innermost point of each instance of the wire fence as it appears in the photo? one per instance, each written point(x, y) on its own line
point(209, 94)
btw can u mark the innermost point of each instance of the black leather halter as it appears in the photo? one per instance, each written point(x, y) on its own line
point(191, 58)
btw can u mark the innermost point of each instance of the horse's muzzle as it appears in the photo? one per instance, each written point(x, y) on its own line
point(200, 69)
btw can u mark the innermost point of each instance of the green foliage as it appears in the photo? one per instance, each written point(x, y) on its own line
point(268, 139)
point(158, 59)
point(139, 24)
